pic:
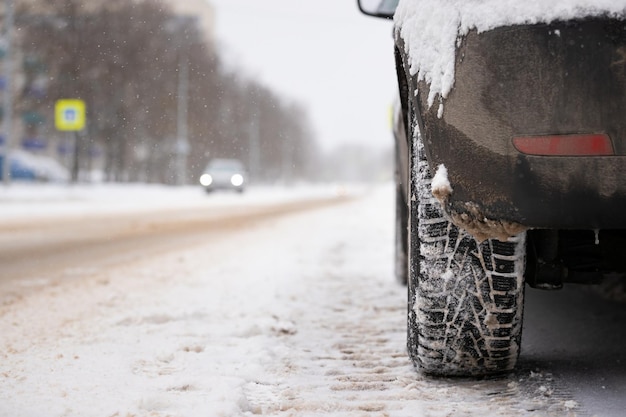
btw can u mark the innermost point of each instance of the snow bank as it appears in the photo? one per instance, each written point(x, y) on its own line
point(35, 200)
point(431, 28)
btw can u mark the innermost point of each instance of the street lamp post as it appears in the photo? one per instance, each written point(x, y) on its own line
point(8, 94)
point(182, 141)
point(181, 147)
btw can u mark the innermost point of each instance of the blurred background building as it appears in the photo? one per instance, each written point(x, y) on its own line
point(159, 100)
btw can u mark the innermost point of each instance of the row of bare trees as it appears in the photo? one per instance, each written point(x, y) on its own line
point(134, 63)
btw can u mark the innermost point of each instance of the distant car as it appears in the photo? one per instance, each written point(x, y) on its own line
point(224, 174)
point(510, 151)
point(28, 167)
point(18, 170)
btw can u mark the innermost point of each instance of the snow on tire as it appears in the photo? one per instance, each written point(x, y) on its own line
point(465, 298)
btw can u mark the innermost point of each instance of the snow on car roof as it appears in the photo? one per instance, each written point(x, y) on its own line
point(431, 28)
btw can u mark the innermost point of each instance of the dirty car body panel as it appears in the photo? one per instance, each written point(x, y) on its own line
point(534, 81)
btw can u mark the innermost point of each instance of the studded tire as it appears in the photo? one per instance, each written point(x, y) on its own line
point(465, 300)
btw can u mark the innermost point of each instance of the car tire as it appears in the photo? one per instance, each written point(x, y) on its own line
point(401, 238)
point(465, 300)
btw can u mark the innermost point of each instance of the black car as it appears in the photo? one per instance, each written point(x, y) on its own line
point(511, 152)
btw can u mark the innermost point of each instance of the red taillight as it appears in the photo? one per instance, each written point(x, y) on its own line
point(565, 145)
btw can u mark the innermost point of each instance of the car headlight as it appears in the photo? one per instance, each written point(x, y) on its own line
point(236, 180)
point(206, 180)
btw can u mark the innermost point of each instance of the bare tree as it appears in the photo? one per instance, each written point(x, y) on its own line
point(127, 59)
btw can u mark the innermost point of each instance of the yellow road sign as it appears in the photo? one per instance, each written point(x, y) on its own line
point(69, 114)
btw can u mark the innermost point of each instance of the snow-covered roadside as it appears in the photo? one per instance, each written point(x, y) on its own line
point(298, 317)
point(24, 200)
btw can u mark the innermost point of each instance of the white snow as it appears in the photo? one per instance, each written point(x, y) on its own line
point(440, 184)
point(431, 28)
point(25, 200)
point(440, 111)
point(300, 316)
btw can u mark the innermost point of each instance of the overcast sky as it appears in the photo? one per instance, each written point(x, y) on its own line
point(323, 54)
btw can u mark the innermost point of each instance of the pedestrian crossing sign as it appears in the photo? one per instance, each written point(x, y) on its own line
point(69, 114)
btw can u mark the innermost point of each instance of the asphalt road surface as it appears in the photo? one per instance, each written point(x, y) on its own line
point(578, 335)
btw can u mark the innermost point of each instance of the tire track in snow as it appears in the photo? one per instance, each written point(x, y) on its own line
point(350, 342)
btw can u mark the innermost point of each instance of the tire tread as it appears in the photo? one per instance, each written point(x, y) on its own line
point(465, 304)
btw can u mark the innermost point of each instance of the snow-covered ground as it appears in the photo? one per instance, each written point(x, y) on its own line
point(297, 316)
point(23, 200)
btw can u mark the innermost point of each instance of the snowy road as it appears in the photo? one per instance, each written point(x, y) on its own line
point(35, 247)
point(281, 307)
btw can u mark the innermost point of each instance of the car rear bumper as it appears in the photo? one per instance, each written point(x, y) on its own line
point(524, 81)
